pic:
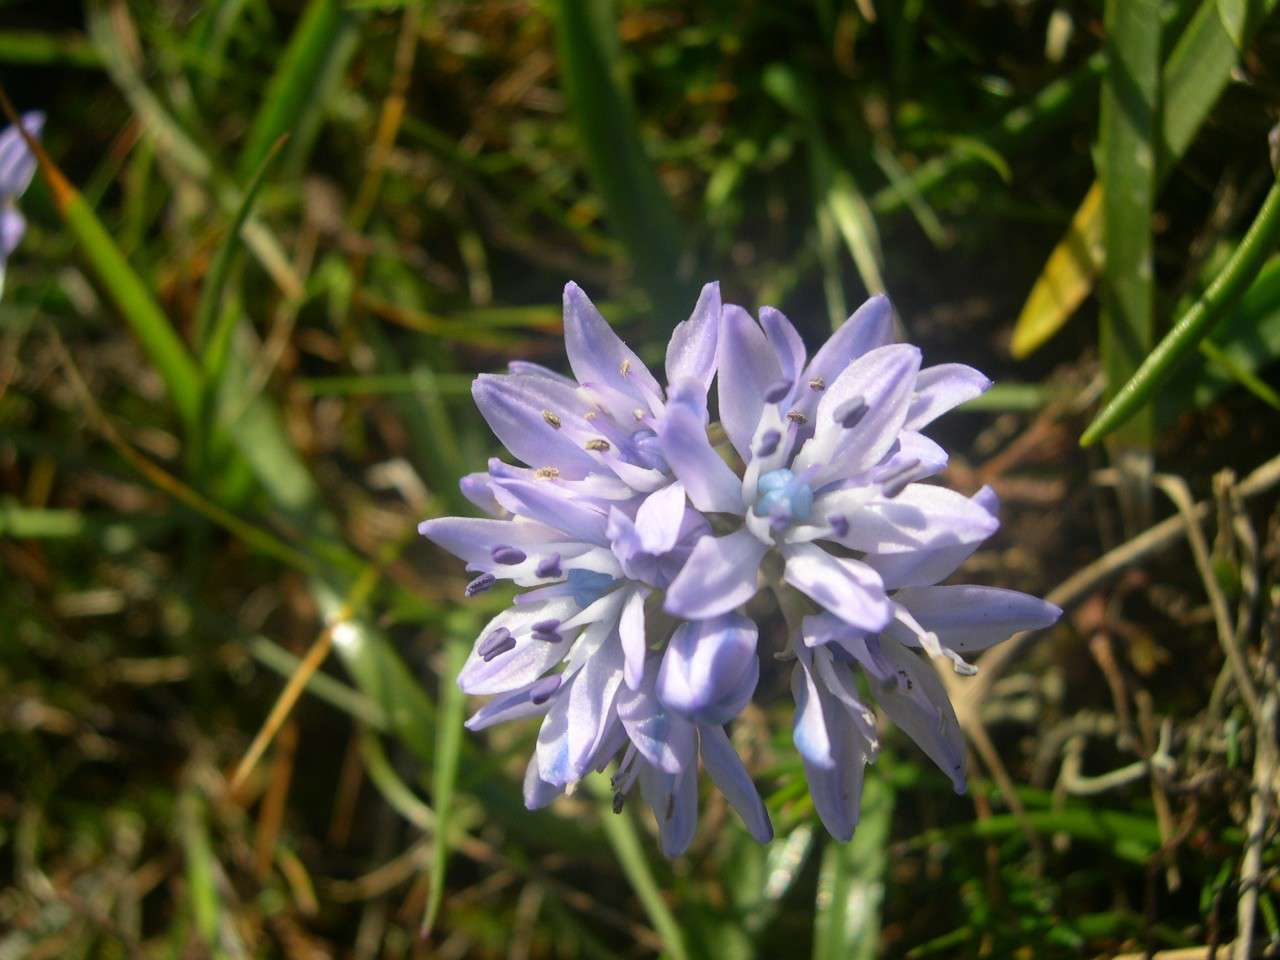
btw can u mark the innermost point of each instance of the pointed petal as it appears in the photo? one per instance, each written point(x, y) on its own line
point(473, 539)
point(727, 771)
point(514, 410)
point(719, 575)
point(941, 388)
point(598, 355)
point(929, 565)
point(663, 739)
point(969, 619)
point(710, 668)
point(712, 487)
point(849, 589)
point(526, 661)
point(921, 515)
point(554, 507)
point(868, 327)
point(580, 717)
point(786, 343)
point(13, 226)
point(631, 632)
point(883, 380)
point(916, 701)
point(537, 792)
point(515, 706)
point(745, 368)
point(17, 162)
point(691, 354)
point(673, 798)
point(524, 368)
point(659, 519)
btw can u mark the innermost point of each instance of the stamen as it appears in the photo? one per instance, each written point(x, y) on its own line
point(898, 481)
point(817, 384)
point(777, 391)
point(624, 367)
point(850, 413)
point(549, 637)
point(480, 584)
point(619, 801)
point(839, 526)
point(547, 473)
point(671, 805)
point(769, 441)
point(598, 444)
point(639, 413)
point(508, 556)
point(543, 690)
point(546, 626)
point(549, 566)
point(495, 644)
point(795, 416)
point(551, 418)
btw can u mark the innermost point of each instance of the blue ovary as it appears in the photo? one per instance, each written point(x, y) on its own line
point(783, 497)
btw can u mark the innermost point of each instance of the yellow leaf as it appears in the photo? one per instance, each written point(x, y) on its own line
point(1067, 278)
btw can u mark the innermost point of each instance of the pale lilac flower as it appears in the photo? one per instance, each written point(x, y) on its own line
point(595, 525)
point(627, 515)
point(17, 167)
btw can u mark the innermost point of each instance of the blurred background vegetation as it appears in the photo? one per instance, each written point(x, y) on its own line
point(235, 355)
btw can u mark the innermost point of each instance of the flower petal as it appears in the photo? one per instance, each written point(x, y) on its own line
point(929, 565)
point(515, 409)
point(922, 515)
point(710, 668)
point(17, 162)
point(691, 353)
point(473, 539)
point(631, 632)
point(580, 716)
point(727, 771)
point(786, 343)
point(527, 660)
point(554, 507)
point(941, 388)
point(13, 226)
point(914, 698)
point(673, 798)
point(663, 738)
point(883, 380)
point(719, 575)
point(968, 619)
point(598, 355)
point(659, 519)
point(849, 589)
point(746, 366)
point(712, 487)
point(537, 792)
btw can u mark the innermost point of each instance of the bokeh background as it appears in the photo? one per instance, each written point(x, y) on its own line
point(235, 355)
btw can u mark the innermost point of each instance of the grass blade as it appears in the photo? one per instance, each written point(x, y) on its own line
point(320, 45)
point(1130, 99)
point(32, 46)
point(1197, 71)
point(1195, 324)
point(445, 773)
point(851, 882)
point(638, 206)
point(202, 882)
point(620, 829)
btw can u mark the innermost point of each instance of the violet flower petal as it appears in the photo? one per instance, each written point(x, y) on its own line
point(969, 619)
point(849, 589)
point(719, 575)
point(746, 366)
point(691, 352)
point(941, 388)
point(728, 773)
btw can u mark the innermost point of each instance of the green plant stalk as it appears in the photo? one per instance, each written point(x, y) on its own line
point(1195, 324)
point(445, 773)
point(31, 46)
point(1129, 115)
point(621, 832)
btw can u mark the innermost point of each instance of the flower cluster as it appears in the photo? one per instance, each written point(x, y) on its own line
point(641, 531)
point(17, 167)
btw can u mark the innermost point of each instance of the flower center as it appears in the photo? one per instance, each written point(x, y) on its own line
point(588, 586)
point(783, 498)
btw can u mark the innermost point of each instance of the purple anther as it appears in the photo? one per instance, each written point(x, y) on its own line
point(480, 584)
point(495, 644)
point(507, 556)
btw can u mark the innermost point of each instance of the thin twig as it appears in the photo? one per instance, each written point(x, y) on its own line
point(1176, 489)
